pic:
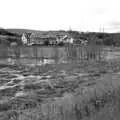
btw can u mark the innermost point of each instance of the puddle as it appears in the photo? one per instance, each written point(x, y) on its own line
point(112, 55)
point(5, 87)
point(45, 62)
point(19, 83)
point(118, 73)
point(20, 93)
point(21, 80)
point(81, 74)
point(70, 78)
point(42, 62)
point(8, 70)
point(11, 61)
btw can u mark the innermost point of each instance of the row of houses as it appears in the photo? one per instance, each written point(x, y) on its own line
point(46, 38)
point(33, 39)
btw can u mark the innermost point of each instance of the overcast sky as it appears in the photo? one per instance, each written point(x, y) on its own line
point(81, 15)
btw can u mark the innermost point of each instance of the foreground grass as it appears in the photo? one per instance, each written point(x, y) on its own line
point(96, 102)
point(88, 101)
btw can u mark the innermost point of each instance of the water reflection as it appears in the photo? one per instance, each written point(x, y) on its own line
point(52, 55)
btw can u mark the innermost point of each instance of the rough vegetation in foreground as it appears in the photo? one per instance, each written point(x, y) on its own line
point(93, 96)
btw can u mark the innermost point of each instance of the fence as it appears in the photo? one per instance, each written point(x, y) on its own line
point(33, 54)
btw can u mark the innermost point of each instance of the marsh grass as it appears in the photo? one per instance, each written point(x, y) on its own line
point(90, 103)
point(99, 101)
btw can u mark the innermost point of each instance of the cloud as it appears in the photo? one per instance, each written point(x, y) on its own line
point(115, 25)
point(100, 11)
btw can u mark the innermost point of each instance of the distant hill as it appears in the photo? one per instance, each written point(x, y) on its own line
point(38, 33)
point(7, 37)
point(20, 31)
point(5, 32)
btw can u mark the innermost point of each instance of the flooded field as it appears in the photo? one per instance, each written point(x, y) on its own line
point(15, 83)
point(27, 86)
point(38, 55)
point(113, 55)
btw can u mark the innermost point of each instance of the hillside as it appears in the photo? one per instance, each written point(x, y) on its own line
point(5, 32)
point(38, 33)
point(6, 37)
point(20, 31)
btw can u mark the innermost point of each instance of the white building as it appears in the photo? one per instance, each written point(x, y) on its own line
point(67, 39)
point(24, 38)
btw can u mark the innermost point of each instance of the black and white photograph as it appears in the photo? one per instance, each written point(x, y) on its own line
point(59, 60)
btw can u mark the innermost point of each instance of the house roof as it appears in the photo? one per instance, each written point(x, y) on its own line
point(49, 34)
